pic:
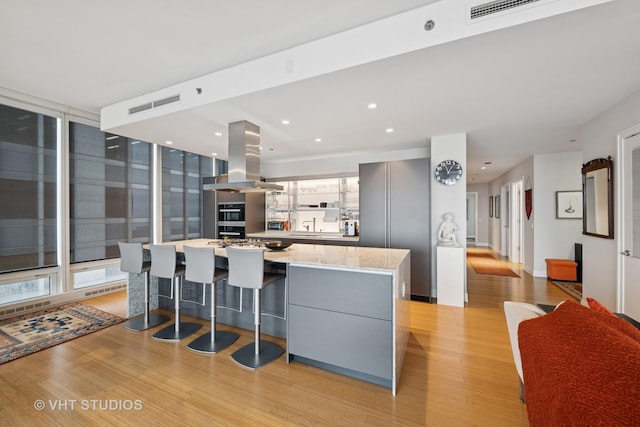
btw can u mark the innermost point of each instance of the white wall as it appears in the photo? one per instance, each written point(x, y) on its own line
point(482, 233)
point(448, 198)
point(598, 139)
point(340, 165)
point(554, 238)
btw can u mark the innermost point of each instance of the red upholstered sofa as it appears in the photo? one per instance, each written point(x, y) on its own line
point(581, 367)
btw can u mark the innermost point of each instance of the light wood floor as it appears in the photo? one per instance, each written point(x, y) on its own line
point(458, 371)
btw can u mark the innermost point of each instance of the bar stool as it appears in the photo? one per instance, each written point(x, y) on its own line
point(201, 268)
point(163, 265)
point(131, 262)
point(246, 270)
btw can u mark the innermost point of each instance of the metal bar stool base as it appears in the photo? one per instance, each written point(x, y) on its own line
point(247, 357)
point(169, 333)
point(138, 324)
point(203, 343)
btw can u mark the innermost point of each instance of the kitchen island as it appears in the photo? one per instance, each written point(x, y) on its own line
point(344, 308)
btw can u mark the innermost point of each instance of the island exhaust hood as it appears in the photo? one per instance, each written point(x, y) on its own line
point(244, 162)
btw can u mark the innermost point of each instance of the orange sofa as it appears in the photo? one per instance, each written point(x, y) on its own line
point(581, 367)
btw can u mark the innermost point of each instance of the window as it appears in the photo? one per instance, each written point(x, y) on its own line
point(318, 205)
point(182, 174)
point(110, 192)
point(28, 145)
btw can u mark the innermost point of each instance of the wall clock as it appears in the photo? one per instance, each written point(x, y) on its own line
point(448, 172)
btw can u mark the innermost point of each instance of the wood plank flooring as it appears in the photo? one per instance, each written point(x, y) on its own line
point(458, 371)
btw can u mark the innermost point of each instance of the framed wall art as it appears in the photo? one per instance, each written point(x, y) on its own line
point(569, 204)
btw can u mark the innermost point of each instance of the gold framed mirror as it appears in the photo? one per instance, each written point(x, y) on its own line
point(597, 198)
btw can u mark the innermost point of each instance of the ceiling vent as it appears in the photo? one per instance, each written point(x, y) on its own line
point(165, 101)
point(486, 9)
point(140, 108)
point(154, 104)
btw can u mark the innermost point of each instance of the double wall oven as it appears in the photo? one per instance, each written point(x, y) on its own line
point(232, 215)
point(231, 220)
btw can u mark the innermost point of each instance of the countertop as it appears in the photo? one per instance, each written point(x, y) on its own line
point(329, 256)
point(302, 235)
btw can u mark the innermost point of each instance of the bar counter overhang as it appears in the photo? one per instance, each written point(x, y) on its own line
point(342, 308)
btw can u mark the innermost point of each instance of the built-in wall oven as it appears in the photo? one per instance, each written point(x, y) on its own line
point(231, 220)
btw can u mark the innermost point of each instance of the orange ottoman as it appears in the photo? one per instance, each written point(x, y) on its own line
point(562, 269)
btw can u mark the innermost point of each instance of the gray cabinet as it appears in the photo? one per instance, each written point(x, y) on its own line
point(342, 321)
point(395, 213)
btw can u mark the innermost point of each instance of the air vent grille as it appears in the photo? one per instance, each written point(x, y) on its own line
point(140, 108)
point(497, 6)
point(23, 309)
point(154, 104)
point(165, 101)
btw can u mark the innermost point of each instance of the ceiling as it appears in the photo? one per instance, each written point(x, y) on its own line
point(516, 91)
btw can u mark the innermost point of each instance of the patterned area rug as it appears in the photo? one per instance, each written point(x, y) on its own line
point(484, 263)
point(29, 333)
point(572, 288)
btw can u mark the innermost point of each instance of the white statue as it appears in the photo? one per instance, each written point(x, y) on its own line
point(447, 231)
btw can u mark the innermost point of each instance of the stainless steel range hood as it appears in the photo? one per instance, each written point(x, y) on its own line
point(244, 162)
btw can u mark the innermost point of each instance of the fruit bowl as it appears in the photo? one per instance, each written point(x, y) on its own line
point(276, 245)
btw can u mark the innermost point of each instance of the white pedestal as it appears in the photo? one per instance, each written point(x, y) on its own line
point(450, 272)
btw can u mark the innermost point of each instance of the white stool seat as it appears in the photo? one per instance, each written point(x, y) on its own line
point(246, 270)
point(131, 261)
point(201, 268)
point(163, 265)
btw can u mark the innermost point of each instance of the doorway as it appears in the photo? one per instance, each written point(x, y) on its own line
point(515, 219)
point(502, 211)
point(629, 222)
point(472, 218)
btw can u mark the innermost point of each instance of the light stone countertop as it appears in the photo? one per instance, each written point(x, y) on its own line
point(347, 257)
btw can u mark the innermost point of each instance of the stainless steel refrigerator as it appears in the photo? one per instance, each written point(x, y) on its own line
point(395, 213)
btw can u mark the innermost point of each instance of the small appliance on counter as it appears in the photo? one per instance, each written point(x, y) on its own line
point(351, 228)
point(277, 225)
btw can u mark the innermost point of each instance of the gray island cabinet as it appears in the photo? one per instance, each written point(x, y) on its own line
point(341, 308)
point(342, 320)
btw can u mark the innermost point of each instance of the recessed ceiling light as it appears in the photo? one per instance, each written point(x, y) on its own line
point(389, 130)
point(372, 106)
point(214, 154)
point(285, 122)
point(169, 142)
point(218, 133)
point(483, 167)
point(318, 139)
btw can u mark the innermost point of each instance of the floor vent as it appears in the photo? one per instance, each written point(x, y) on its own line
point(165, 101)
point(33, 306)
point(106, 290)
point(490, 8)
point(139, 108)
point(22, 309)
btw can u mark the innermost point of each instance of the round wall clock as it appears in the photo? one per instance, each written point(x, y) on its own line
point(448, 172)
